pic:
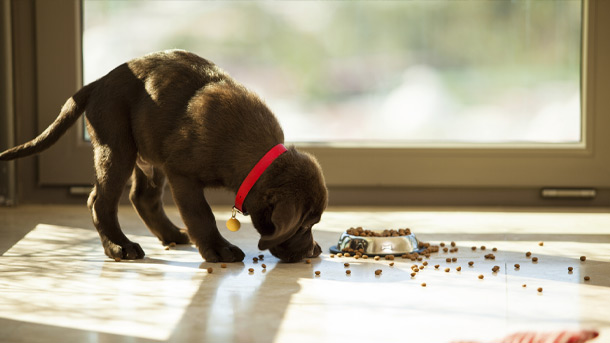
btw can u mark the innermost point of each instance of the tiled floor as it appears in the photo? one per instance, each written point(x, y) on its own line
point(56, 285)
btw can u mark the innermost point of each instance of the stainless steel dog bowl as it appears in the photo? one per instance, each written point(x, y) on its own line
point(377, 246)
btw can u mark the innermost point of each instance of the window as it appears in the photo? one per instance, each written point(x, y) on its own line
point(373, 72)
point(576, 155)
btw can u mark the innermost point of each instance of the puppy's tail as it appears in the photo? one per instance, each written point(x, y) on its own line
point(70, 112)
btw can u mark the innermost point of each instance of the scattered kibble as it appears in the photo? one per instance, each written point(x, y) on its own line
point(255, 259)
point(423, 284)
point(445, 249)
point(317, 272)
point(347, 254)
point(251, 270)
point(541, 243)
point(483, 247)
point(473, 248)
point(392, 264)
point(534, 259)
point(448, 260)
point(481, 276)
point(436, 266)
point(167, 247)
point(470, 263)
point(583, 258)
point(454, 259)
point(447, 270)
point(452, 244)
point(365, 256)
point(210, 270)
point(494, 249)
point(332, 255)
point(425, 263)
point(377, 258)
point(539, 289)
point(224, 265)
point(587, 278)
point(442, 244)
point(346, 264)
point(378, 272)
point(172, 244)
point(459, 269)
point(264, 266)
point(517, 265)
point(348, 272)
point(117, 259)
point(412, 274)
point(524, 285)
point(528, 254)
point(308, 261)
point(570, 269)
point(495, 269)
point(261, 257)
point(339, 255)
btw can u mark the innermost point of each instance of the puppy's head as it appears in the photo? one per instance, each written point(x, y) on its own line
point(288, 200)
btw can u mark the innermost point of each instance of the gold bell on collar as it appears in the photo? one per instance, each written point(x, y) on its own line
point(233, 224)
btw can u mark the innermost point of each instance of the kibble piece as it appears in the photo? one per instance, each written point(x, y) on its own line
point(587, 278)
point(495, 269)
point(583, 258)
point(425, 263)
point(541, 243)
point(481, 276)
point(339, 255)
point(570, 269)
point(377, 258)
point(347, 254)
point(413, 274)
point(454, 259)
point(346, 264)
point(264, 266)
point(442, 244)
point(458, 269)
point(528, 254)
point(524, 285)
point(452, 244)
point(261, 257)
point(172, 244)
point(357, 257)
point(483, 247)
point(473, 248)
point(539, 289)
point(494, 249)
point(365, 256)
point(534, 259)
point(254, 259)
point(448, 260)
point(210, 270)
point(445, 249)
point(348, 272)
point(251, 270)
point(423, 284)
point(317, 273)
point(224, 265)
point(167, 247)
point(332, 255)
point(378, 272)
point(447, 270)
point(391, 264)
point(416, 270)
point(517, 265)
point(117, 259)
point(308, 261)
point(436, 266)
point(470, 263)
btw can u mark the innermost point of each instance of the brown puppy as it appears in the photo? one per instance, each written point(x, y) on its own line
point(174, 114)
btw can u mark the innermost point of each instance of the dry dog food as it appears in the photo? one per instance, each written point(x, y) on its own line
point(524, 285)
point(459, 269)
point(494, 249)
point(483, 247)
point(389, 257)
point(308, 261)
point(412, 274)
point(541, 243)
point(251, 270)
point(210, 270)
point(470, 263)
point(436, 266)
point(359, 231)
point(528, 254)
point(587, 278)
point(452, 244)
point(117, 259)
point(377, 258)
point(423, 284)
point(481, 276)
point(224, 265)
point(317, 272)
point(332, 255)
point(447, 270)
point(448, 260)
point(490, 257)
point(378, 272)
point(473, 248)
point(346, 264)
point(517, 265)
point(495, 269)
point(583, 258)
point(392, 264)
point(534, 259)
point(264, 266)
point(254, 259)
point(539, 289)
point(454, 259)
point(261, 257)
point(570, 269)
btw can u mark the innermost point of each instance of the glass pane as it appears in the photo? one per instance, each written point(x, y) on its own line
point(366, 72)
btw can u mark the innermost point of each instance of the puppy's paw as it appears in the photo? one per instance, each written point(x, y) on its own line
point(127, 251)
point(222, 253)
point(178, 236)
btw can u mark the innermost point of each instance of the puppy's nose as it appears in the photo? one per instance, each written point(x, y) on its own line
point(316, 251)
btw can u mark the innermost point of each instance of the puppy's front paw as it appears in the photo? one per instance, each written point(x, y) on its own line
point(222, 253)
point(127, 251)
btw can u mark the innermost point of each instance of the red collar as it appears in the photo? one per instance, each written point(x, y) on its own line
point(256, 173)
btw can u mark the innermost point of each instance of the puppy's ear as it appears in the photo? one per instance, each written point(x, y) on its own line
point(285, 219)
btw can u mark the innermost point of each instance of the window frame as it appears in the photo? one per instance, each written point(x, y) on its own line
point(464, 166)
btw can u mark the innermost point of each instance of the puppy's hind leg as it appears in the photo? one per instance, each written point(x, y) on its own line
point(113, 168)
point(146, 195)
